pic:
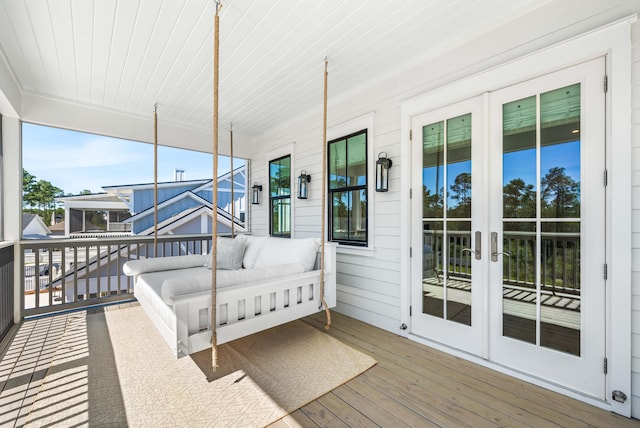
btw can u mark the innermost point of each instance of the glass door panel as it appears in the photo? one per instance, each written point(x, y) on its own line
point(446, 172)
point(541, 219)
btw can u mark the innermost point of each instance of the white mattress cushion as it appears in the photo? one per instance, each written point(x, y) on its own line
point(135, 267)
point(282, 250)
point(178, 286)
point(254, 243)
point(229, 253)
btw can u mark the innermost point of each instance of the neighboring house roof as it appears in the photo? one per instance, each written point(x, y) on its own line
point(161, 184)
point(58, 228)
point(166, 226)
point(179, 213)
point(33, 227)
point(170, 201)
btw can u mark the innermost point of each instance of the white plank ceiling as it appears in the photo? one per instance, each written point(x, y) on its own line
point(126, 55)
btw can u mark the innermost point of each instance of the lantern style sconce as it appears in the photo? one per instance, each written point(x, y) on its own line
point(303, 189)
point(256, 189)
point(383, 165)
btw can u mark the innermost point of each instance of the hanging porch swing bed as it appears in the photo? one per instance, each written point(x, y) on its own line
point(268, 281)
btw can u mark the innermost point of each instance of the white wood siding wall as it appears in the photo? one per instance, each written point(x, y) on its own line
point(369, 282)
point(635, 141)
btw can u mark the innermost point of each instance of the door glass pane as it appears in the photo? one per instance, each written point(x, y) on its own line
point(519, 292)
point(519, 158)
point(560, 294)
point(458, 301)
point(560, 152)
point(459, 167)
point(541, 179)
point(446, 256)
point(433, 170)
point(432, 281)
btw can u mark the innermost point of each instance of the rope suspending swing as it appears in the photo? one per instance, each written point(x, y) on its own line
point(214, 189)
point(155, 180)
point(233, 202)
point(323, 203)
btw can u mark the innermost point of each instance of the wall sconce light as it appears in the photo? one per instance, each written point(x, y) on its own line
point(383, 164)
point(303, 189)
point(256, 189)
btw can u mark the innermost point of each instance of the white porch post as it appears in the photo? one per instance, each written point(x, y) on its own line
point(11, 198)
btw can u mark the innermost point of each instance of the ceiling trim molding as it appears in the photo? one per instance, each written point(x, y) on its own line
point(95, 120)
point(9, 91)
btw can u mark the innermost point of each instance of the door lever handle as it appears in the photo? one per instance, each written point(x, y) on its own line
point(504, 253)
point(478, 244)
point(494, 248)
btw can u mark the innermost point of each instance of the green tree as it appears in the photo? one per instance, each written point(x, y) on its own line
point(560, 194)
point(519, 199)
point(43, 195)
point(461, 192)
point(28, 183)
point(432, 206)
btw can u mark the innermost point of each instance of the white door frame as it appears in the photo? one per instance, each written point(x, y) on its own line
point(614, 41)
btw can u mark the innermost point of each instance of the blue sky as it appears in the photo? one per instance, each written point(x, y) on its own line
point(520, 164)
point(74, 161)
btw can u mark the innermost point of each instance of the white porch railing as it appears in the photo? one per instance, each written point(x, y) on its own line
point(559, 259)
point(74, 273)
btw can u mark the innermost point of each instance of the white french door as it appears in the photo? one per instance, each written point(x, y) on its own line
point(511, 221)
point(448, 298)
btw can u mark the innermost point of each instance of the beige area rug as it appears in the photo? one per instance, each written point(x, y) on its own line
point(115, 369)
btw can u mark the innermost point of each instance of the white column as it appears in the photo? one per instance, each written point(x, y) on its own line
point(12, 198)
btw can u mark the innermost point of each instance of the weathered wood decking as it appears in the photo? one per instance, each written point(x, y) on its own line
point(414, 385)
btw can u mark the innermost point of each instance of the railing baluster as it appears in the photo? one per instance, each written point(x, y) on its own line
point(554, 264)
point(75, 273)
point(63, 274)
point(36, 278)
point(564, 264)
point(87, 285)
point(98, 257)
point(50, 276)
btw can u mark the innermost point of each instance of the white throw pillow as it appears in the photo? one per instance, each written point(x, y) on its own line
point(254, 243)
point(276, 251)
point(230, 253)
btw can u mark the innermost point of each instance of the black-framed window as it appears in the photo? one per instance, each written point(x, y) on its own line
point(280, 196)
point(348, 206)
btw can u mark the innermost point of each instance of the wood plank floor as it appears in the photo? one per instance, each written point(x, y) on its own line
point(411, 385)
point(414, 385)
